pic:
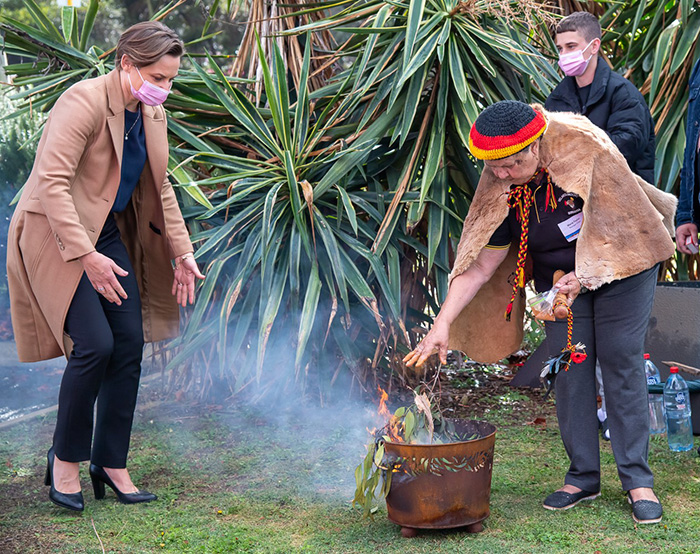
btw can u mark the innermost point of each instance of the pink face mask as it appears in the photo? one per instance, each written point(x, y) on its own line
point(149, 94)
point(574, 64)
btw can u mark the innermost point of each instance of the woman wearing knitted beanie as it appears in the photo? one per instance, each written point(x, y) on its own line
point(556, 194)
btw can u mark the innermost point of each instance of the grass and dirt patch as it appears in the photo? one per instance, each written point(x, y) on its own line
point(279, 481)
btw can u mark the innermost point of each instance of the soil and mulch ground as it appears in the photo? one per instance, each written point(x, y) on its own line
point(474, 390)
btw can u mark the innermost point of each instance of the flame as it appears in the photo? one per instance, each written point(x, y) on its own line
point(393, 427)
point(383, 411)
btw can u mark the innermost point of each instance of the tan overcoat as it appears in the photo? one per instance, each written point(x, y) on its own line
point(64, 205)
point(627, 228)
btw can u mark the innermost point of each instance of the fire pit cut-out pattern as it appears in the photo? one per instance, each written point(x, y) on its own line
point(438, 466)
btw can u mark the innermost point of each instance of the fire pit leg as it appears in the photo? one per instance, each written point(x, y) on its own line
point(477, 527)
point(409, 532)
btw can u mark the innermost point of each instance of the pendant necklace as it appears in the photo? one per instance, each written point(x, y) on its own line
point(126, 135)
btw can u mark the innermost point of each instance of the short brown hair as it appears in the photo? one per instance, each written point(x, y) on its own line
point(147, 42)
point(581, 22)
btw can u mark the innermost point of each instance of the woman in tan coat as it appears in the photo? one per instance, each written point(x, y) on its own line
point(90, 249)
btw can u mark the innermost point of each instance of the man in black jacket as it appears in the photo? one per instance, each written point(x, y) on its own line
point(610, 101)
point(603, 96)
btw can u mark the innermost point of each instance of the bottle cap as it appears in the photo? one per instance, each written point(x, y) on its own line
point(673, 369)
point(647, 356)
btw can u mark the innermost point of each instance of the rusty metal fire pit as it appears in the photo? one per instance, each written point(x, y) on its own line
point(440, 486)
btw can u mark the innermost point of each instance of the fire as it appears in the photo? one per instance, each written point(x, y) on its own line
point(383, 411)
point(393, 426)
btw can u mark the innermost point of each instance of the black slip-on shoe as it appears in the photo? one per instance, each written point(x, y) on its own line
point(646, 511)
point(561, 500)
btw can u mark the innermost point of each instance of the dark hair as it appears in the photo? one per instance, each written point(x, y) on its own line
point(581, 22)
point(147, 42)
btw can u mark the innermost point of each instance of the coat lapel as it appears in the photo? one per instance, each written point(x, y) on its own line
point(155, 129)
point(115, 121)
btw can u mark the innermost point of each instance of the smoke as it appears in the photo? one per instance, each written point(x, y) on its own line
point(317, 432)
point(320, 414)
point(26, 388)
point(290, 433)
point(316, 449)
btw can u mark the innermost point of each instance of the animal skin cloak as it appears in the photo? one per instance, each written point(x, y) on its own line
point(627, 228)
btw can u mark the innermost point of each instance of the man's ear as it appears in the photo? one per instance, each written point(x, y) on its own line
point(595, 47)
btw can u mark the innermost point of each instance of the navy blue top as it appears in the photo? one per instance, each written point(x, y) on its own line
point(133, 158)
point(551, 234)
point(688, 205)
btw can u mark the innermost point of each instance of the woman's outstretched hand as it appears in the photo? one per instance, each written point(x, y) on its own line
point(102, 272)
point(434, 341)
point(186, 270)
point(462, 289)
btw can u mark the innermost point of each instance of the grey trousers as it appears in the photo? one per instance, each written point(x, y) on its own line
point(612, 322)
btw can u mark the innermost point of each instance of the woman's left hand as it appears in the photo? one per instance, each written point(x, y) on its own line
point(570, 286)
point(184, 284)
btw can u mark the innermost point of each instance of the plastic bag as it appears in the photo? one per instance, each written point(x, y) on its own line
point(542, 305)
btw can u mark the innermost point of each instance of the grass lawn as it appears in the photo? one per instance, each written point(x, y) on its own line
point(241, 480)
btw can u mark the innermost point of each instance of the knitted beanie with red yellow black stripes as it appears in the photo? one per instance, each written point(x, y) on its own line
point(505, 128)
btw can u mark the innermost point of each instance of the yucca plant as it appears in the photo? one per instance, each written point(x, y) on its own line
point(267, 21)
point(58, 58)
point(273, 240)
point(369, 200)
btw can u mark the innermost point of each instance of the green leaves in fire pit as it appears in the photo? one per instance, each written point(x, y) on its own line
point(415, 424)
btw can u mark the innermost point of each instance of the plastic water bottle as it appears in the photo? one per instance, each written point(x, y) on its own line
point(657, 421)
point(677, 404)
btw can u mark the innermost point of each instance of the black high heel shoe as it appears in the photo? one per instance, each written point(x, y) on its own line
point(100, 479)
point(72, 501)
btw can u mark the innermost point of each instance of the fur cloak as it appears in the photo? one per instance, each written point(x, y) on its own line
point(627, 228)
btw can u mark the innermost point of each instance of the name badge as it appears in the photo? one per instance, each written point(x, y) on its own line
point(571, 227)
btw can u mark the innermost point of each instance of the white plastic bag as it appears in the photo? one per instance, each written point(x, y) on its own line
point(542, 305)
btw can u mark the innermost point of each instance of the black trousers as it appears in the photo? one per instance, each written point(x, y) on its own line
point(612, 322)
point(104, 367)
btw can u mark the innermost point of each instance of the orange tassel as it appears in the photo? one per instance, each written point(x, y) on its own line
point(551, 201)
